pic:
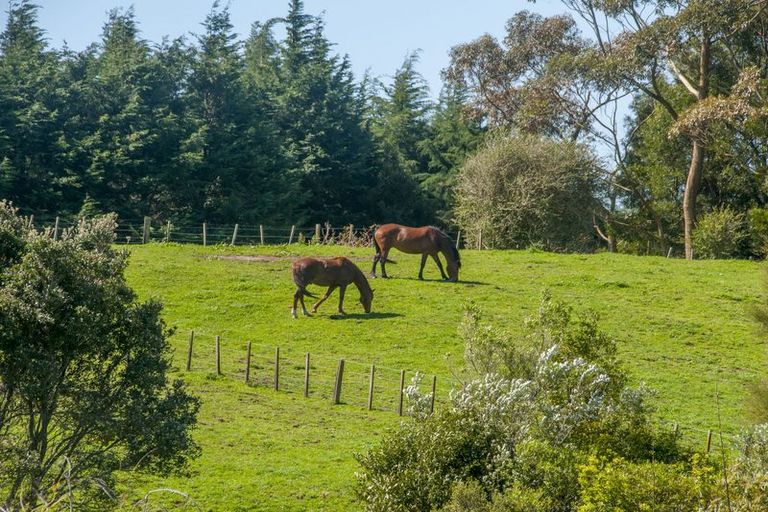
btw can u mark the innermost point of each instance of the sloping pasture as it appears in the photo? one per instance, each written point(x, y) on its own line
point(682, 327)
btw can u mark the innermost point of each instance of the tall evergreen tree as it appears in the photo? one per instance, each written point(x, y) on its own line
point(401, 127)
point(30, 105)
point(321, 122)
point(233, 151)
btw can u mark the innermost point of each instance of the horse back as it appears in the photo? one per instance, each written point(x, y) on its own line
point(407, 239)
point(323, 272)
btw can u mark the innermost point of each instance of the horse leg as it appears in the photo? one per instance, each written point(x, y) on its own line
point(376, 258)
point(303, 307)
point(439, 265)
point(296, 297)
point(342, 289)
point(383, 259)
point(421, 268)
point(327, 294)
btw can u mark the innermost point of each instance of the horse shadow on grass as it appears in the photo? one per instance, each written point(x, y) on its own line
point(364, 316)
point(438, 280)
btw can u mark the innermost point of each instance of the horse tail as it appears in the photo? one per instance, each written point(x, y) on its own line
point(378, 251)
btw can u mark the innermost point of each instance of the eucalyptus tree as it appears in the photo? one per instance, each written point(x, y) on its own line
point(640, 43)
point(536, 82)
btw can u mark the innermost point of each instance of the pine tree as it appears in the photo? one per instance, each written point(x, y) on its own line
point(30, 106)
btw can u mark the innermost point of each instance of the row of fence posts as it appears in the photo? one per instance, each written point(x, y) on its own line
point(676, 428)
point(318, 233)
point(338, 382)
point(147, 224)
point(146, 230)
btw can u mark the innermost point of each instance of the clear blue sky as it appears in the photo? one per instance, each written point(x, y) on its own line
point(377, 34)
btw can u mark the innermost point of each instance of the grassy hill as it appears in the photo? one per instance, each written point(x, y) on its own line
point(682, 327)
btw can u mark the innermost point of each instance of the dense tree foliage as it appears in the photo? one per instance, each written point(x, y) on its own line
point(216, 128)
point(84, 389)
point(274, 128)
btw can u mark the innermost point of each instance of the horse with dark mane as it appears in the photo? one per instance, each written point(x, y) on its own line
point(333, 273)
point(426, 240)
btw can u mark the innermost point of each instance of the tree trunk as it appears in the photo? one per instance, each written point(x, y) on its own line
point(696, 169)
point(689, 197)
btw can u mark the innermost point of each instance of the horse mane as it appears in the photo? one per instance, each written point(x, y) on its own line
point(449, 243)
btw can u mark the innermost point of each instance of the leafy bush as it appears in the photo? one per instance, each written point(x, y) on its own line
point(645, 486)
point(523, 191)
point(521, 427)
point(721, 233)
point(758, 231)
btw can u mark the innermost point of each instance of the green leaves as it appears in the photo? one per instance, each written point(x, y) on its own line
point(82, 368)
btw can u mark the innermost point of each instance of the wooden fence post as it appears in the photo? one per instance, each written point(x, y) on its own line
point(317, 233)
point(669, 252)
point(277, 368)
point(339, 379)
point(402, 387)
point(432, 401)
point(306, 375)
point(234, 234)
point(56, 229)
point(290, 238)
point(168, 231)
point(145, 233)
point(218, 356)
point(261, 234)
point(205, 234)
point(709, 440)
point(480, 240)
point(458, 240)
point(351, 233)
point(370, 387)
point(189, 350)
point(248, 363)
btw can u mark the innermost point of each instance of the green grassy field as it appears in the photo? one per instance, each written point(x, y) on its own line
point(682, 327)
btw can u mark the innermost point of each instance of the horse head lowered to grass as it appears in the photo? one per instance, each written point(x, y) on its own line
point(426, 240)
point(333, 273)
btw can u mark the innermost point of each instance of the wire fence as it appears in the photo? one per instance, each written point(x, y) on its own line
point(340, 380)
point(138, 231)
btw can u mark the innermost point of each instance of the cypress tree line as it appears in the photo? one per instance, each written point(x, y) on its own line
point(265, 129)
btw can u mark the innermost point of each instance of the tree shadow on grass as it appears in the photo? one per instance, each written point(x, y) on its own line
point(364, 316)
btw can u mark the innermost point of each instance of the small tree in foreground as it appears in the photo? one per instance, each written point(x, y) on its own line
point(83, 364)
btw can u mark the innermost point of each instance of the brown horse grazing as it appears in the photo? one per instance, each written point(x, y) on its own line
point(333, 273)
point(426, 240)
